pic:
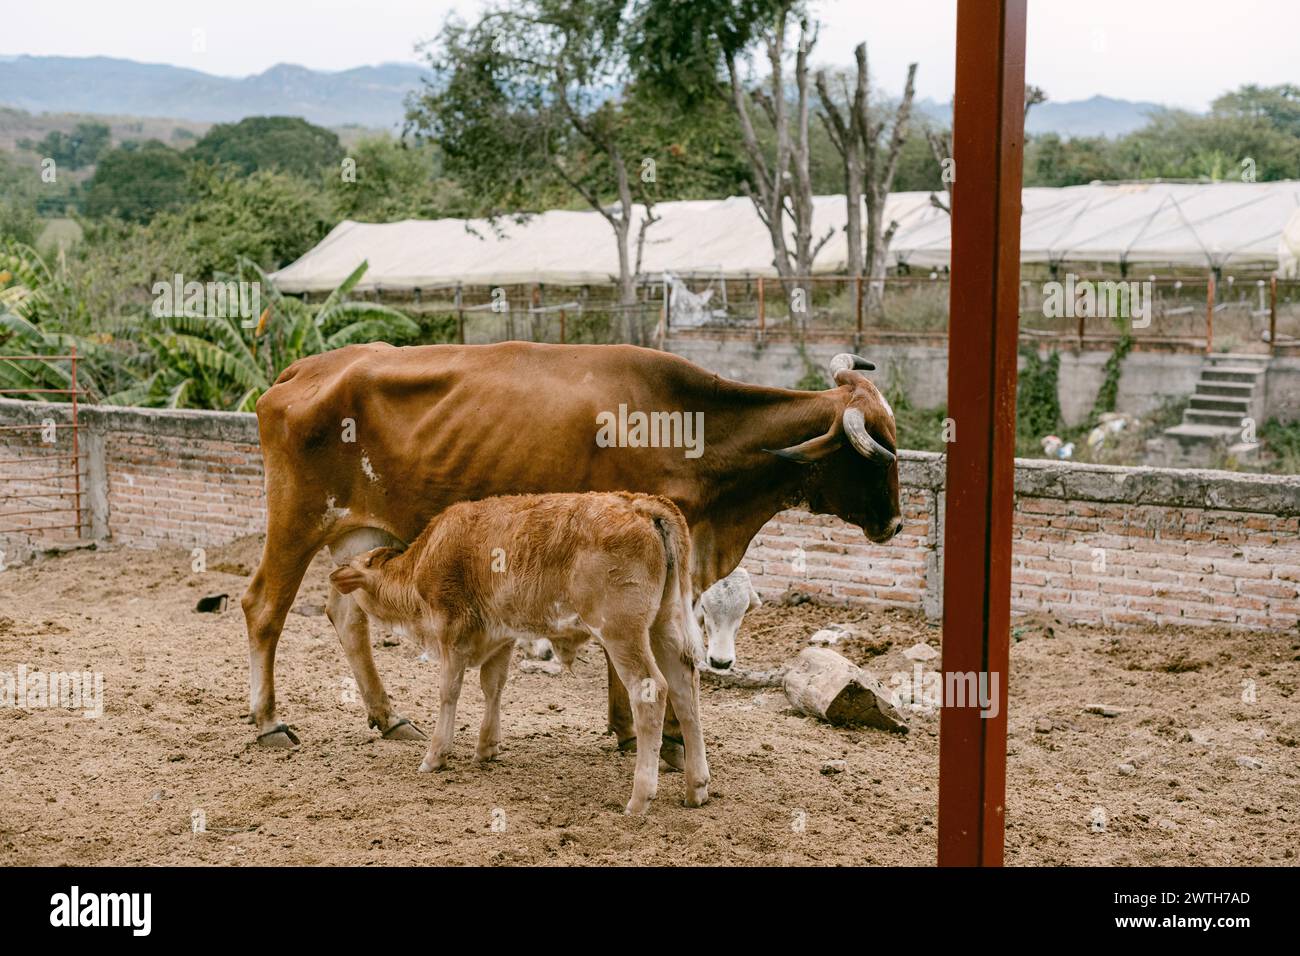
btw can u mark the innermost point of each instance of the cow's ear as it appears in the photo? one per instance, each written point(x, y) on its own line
point(379, 556)
point(347, 579)
point(814, 449)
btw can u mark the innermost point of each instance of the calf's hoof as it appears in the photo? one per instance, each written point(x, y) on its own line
point(279, 737)
point(637, 807)
point(432, 763)
point(697, 796)
point(487, 754)
point(403, 729)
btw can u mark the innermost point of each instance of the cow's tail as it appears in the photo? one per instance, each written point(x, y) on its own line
point(676, 537)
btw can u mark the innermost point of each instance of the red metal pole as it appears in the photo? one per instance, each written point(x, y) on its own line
point(988, 134)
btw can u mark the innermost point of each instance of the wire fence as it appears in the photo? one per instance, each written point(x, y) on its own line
point(1187, 313)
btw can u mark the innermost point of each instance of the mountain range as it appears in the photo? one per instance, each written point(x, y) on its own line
point(369, 96)
point(366, 95)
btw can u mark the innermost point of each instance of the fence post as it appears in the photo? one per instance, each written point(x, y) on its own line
point(762, 313)
point(857, 308)
point(460, 316)
point(1209, 314)
point(562, 326)
point(1272, 315)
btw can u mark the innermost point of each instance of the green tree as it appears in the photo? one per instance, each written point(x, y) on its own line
point(268, 217)
point(1279, 106)
point(394, 180)
point(526, 103)
point(284, 143)
point(18, 191)
point(137, 181)
point(76, 150)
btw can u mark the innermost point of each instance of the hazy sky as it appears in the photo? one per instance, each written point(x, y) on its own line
point(1179, 53)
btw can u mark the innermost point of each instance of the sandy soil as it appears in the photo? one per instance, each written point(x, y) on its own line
point(1165, 775)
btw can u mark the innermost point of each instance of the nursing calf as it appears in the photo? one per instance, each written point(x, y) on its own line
point(615, 567)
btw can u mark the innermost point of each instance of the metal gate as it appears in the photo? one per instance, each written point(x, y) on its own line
point(40, 463)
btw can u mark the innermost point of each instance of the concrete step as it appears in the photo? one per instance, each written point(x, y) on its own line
point(1221, 403)
point(1187, 433)
point(1238, 358)
point(1243, 390)
point(1206, 417)
point(1232, 373)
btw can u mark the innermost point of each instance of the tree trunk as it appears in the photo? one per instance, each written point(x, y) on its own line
point(825, 685)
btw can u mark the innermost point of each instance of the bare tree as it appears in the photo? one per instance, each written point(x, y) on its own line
point(941, 146)
point(844, 129)
point(870, 164)
point(782, 184)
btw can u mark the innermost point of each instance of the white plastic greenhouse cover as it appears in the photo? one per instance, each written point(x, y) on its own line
point(1227, 225)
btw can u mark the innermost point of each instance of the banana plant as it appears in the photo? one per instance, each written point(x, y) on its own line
point(32, 323)
point(223, 362)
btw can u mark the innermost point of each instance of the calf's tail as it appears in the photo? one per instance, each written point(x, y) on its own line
point(676, 537)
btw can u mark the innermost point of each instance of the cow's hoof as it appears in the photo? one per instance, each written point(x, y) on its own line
point(673, 755)
point(279, 737)
point(488, 754)
point(627, 746)
point(404, 730)
point(432, 764)
point(697, 796)
point(637, 808)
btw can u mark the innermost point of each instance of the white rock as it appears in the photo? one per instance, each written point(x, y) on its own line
point(1250, 763)
point(920, 652)
point(530, 666)
point(1104, 710)
point(831, 635)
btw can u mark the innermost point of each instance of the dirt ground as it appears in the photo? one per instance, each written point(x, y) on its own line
point(1187, 773)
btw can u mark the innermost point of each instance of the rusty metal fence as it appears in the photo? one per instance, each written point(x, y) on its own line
point(1190, 312)
point(40, 464)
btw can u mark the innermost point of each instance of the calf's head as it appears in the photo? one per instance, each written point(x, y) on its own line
point(853, 467)
point(721, 609)
point(362, 575)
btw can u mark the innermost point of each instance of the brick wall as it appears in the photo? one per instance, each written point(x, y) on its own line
point(1116, 546)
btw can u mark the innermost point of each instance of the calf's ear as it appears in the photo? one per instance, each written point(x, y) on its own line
point(347, 579)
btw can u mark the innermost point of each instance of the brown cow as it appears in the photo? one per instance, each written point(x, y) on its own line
point(483, 574)
point(364, 444)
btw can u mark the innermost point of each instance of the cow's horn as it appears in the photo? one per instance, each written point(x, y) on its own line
point(870, 449)
point(847, 360)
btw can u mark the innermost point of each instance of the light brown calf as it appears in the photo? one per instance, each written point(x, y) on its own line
point(570, 567)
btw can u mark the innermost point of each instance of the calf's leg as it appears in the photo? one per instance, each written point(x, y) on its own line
point(684, 696)
point(620, 722)
point(492, 677)
point(646, 691)
point(451, 676)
